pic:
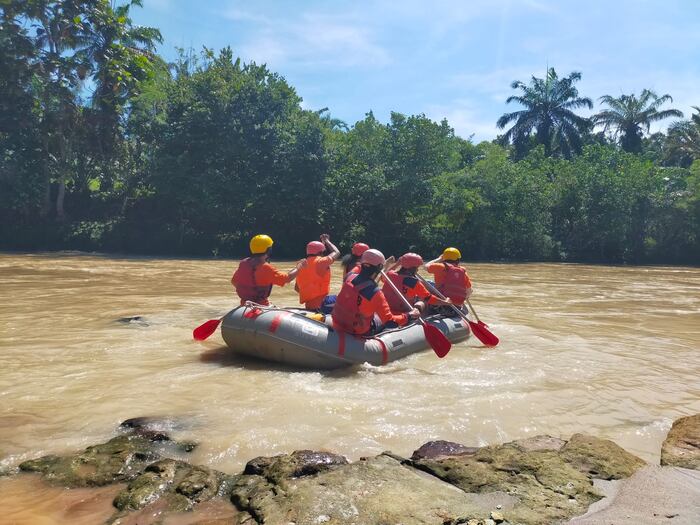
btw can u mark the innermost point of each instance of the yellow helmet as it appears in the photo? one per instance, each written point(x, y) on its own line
point(260, 244)
point(451, 254)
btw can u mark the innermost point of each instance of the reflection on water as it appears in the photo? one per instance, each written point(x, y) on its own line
point(607, 350)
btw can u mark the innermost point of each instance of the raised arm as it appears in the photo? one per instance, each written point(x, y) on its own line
point(335, 252)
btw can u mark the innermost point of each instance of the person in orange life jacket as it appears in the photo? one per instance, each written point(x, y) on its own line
point(406, 281)
point(314, 277)
point(254, 277)
point(351, 262)
point(450, 278)
point(360, 299)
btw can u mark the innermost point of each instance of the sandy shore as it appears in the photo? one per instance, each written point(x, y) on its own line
point(668, 495)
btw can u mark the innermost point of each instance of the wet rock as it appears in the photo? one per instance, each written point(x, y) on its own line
point(170, 486)
point(547, 487)
point(682, 445)
point(134, 320)
point(157, 429)
point(297, 464)
point(539, 443)
point(120, 459)
point(433, 449)
point(187, 446)
point(185, 484)
point(151, 423)
point(600, 458)
point(376, 490)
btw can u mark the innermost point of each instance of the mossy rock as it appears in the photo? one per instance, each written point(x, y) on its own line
point(185, 485)
point(298, 463)
point(379, 490)
point(120, 459)
point(600, 458)
point(681, 447)
point(547, 487)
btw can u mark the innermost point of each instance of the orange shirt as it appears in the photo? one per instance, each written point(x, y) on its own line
point(266, 274)
point(378, 305)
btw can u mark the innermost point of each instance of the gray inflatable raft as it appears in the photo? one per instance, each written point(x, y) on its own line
point(287, 335)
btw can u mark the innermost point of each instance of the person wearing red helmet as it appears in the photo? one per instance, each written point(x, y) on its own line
point(406, 281)
point(314, 277)
point(351, 262)
point(360, 300)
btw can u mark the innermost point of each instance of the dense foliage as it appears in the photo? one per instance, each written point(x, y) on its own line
point(104, 146)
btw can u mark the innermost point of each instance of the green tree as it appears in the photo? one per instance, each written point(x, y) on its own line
point(120, 57)
point(629, 117)
point(236, 155)
point(683, 140)
point(549, 113)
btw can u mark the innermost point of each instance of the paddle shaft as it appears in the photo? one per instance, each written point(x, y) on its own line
point(473, 311)
point(437, 292)
point(405, 301)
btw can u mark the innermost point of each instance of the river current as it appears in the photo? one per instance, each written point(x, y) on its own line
point(613, 351)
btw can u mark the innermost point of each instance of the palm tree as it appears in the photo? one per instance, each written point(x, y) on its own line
point(684, 138)
point(630, 116)
point(549, 105)
point(120, 56)
point(330, 122)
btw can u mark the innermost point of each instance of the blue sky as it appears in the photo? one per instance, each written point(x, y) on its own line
point(446, 58)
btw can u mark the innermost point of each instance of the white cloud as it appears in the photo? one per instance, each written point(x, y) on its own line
point(312, 39)
point(466, 119)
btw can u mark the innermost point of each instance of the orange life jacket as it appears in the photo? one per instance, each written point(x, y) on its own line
point(453, 286)
point(395, 302)
point(246, 286)
point(313, 280)
point(347, 314)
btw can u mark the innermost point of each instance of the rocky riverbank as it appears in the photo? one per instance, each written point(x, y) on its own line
point(538, 480)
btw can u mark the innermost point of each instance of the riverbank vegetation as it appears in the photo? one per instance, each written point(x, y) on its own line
point(105, 146)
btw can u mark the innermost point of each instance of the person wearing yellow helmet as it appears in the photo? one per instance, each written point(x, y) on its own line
point(451, 279)
point(255, 276)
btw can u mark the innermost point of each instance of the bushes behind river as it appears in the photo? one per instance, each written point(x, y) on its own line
point(209, 151)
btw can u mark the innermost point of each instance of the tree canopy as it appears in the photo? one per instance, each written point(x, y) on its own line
point(105, 146)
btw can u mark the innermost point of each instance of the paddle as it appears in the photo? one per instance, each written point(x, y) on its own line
point(480, 330)
point(206, 329)
point(436, 339)
point(490, 339)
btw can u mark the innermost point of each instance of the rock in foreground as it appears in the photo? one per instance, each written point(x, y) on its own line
point(539, 480)
point(682, 445)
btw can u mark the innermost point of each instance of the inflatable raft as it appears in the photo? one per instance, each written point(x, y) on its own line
point(289, 336)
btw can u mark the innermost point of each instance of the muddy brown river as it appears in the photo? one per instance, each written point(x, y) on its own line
point(614, 351)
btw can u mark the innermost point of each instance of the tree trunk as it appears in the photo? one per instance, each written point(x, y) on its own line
point(60, 198)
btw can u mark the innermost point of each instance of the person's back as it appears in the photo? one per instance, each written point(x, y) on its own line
point(360, 299)
point(255, 276)
point(351, 261)
point(314, 277)
point(248, 285)
point(451, 279)
point(406, 281)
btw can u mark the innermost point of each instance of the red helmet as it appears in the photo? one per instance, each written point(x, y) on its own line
point(410, 260)
point(373, 258)
point(315, 247)
point(359, 248)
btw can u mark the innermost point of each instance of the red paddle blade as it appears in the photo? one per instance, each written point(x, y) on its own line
point(483, 334)
point(205, 330)
point(438, 341)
